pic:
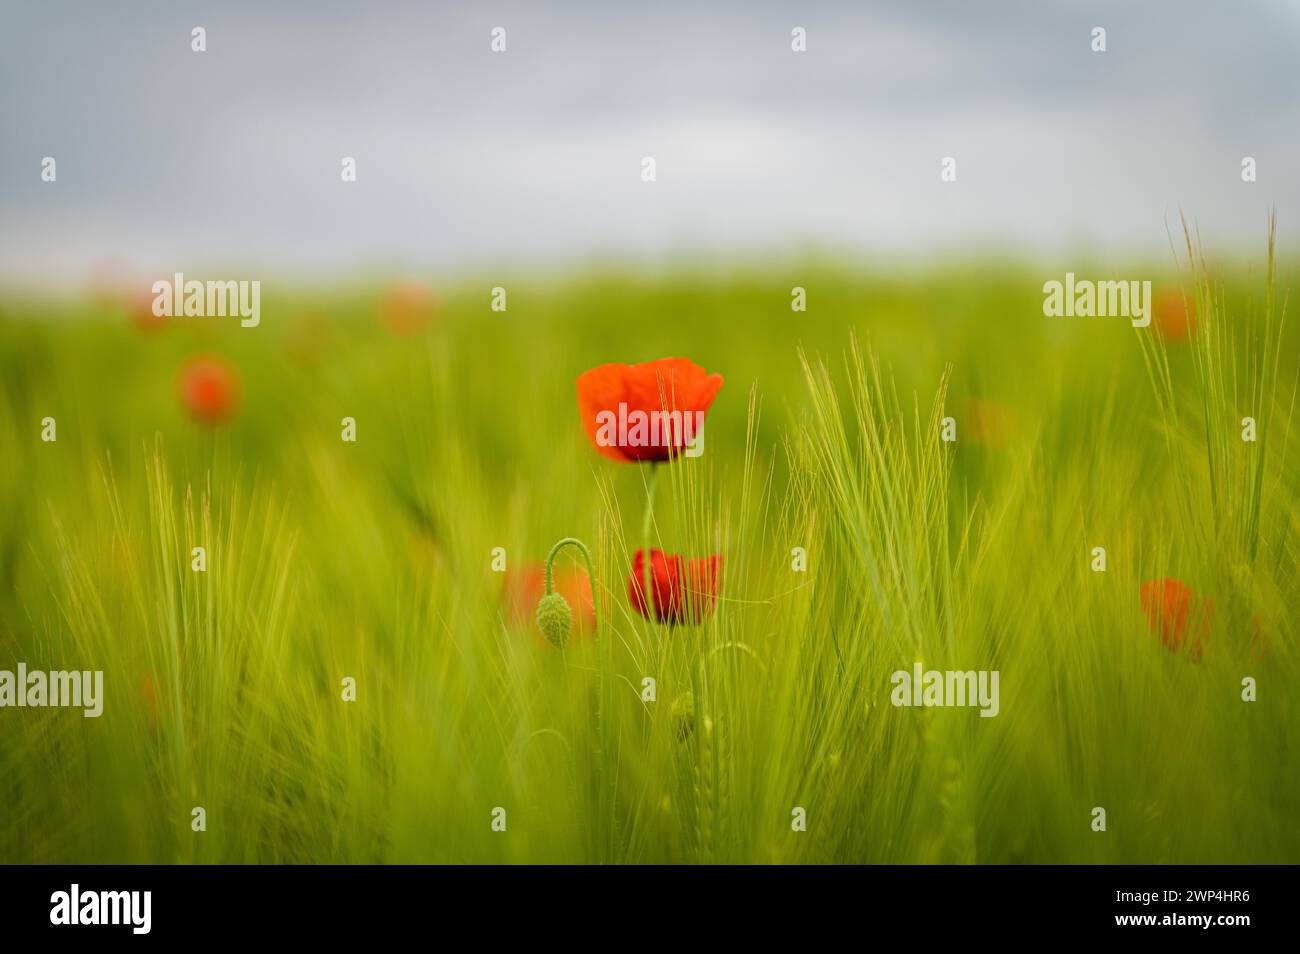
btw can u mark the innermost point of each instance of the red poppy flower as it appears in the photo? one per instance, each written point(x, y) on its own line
point(681, 594)
point(408, 307)
point(525, 587)
point(645, 412)
point(140, 307)
point(1174, 316)
point(1258, 637)
point(1172, 609)
point(988, 422)
point(209, 389)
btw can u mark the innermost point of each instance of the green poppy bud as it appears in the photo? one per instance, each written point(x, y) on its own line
point(555, 619)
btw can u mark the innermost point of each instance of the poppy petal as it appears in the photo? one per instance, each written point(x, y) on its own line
point(666, 384)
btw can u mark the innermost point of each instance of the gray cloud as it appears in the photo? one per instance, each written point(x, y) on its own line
point(173, 159)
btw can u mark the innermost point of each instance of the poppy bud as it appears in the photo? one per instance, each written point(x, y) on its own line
point(555, 619)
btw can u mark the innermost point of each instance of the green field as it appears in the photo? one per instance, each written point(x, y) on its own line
point(373, 560)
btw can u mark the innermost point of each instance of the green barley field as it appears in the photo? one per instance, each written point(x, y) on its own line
point(350, 680)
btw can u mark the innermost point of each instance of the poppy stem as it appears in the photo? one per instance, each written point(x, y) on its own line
point(646, 522)
point(591, 572)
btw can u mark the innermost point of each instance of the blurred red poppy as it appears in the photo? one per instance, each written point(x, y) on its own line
point(1258, 637)
point(988, 422)
point(645, 412)
point(209, 389)
point(1177, 615)
point(408, 307)
point(1173, 315)
point(680, 594)
point(523, 589)
point(139, 305)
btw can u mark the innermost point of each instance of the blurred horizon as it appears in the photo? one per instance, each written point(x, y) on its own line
point(470, 161)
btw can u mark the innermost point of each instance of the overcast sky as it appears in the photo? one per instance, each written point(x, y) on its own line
point(173, 159)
